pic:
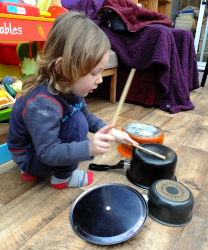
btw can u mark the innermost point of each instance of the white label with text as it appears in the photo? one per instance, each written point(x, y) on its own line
point(7, 29)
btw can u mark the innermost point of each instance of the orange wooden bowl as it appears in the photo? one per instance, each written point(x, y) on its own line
point(141, 133)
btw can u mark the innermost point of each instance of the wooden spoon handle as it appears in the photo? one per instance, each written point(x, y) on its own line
point(121, 102)
point(150, 152)
point(123, 95)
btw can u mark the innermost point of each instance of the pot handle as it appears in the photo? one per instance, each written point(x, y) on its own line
point(145, 196)
point(98, 167)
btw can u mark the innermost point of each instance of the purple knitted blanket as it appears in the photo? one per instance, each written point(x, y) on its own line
point(170, 50)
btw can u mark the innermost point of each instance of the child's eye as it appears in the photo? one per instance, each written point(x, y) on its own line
point(94, 74)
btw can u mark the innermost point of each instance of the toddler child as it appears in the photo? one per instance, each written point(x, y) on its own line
point(49, 123)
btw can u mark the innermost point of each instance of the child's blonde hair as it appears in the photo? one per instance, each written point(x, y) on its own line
point(79, 42)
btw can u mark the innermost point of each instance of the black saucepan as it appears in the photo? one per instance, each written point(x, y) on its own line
point(170, 202)
point(145, 168)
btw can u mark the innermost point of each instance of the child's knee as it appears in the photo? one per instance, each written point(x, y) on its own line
point(74, 128)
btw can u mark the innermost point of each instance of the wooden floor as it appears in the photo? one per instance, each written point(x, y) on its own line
point(36, 216)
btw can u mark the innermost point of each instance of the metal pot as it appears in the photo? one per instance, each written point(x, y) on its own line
point(141, 133)
point(146, 169)
point(170, 203)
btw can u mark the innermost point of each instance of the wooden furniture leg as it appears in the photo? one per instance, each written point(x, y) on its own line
point(135, 1)
point(149, 4)
point(154, 5)
point(113, 73)
point(164, 7)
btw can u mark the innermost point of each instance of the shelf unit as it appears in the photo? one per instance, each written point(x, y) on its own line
point(160, 6)
point(22, 28)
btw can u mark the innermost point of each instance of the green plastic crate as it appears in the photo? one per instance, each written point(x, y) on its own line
point(5, 114)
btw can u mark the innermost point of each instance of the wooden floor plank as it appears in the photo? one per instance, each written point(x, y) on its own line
point(201, 204)
point(58, 235)
point(191, 168)
point(199, 98)
point(61, 236)
point(30, 212)
point(12, 189)
point(4, 127)
point(198, 136)
point(194, 236)
point(156, 118)
point(6, 166)
point(137, 113)
point(96, 105)
point(107, 113)
point(178, 128)
point(3, 139)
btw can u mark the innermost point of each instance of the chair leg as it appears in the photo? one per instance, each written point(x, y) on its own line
point(204, 78)
point(113, 86)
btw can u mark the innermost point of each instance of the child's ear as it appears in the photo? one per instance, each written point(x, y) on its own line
point(58, 65)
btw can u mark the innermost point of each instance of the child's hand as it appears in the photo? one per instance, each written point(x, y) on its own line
point(99, 142)
point(123, 137)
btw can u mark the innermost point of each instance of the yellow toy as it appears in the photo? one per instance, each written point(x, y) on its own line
point(3, 97)
point(43, 5)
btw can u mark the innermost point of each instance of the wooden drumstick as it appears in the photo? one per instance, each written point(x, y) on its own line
point(123, 95)
point(122, 99)
point(150, 152)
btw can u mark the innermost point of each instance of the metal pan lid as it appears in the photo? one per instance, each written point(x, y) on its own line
point(108, 214)
point(142, 130)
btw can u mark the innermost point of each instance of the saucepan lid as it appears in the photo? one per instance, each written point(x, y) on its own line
point(108, 214)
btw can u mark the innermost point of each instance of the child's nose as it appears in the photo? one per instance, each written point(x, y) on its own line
point(100, 79)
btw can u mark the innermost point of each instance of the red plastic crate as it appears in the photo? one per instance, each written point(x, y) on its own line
point(19, 9)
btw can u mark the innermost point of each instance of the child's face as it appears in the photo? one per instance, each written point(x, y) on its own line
point(88, 83)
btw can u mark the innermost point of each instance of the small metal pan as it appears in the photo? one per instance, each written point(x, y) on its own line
point(170, 203)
